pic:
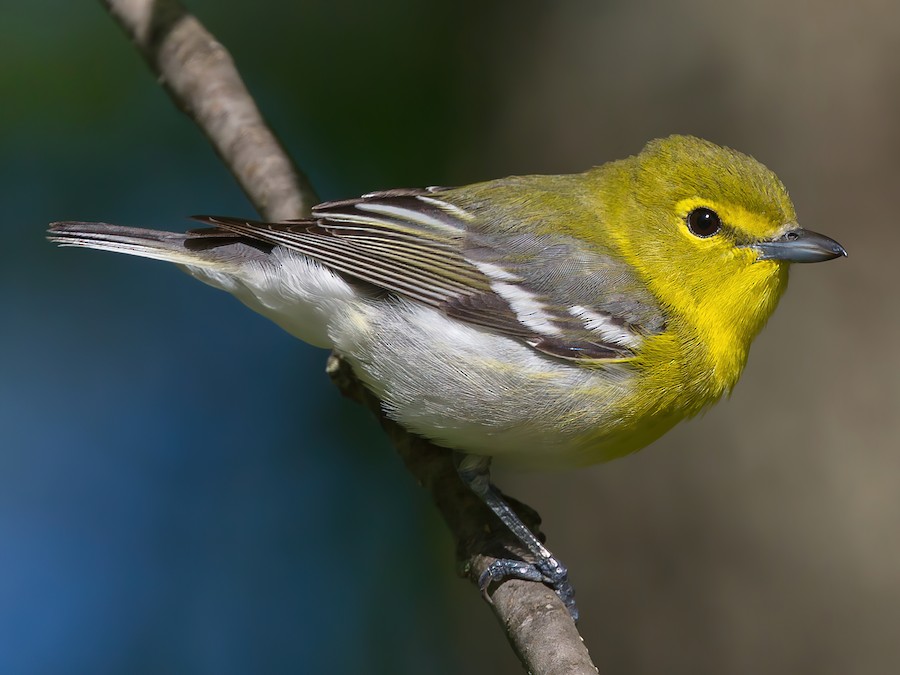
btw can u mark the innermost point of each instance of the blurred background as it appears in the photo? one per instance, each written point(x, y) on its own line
point(183, 491)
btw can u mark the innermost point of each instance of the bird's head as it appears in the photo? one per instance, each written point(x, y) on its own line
point(713, 233)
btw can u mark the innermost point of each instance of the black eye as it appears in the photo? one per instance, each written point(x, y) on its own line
point(703, 222)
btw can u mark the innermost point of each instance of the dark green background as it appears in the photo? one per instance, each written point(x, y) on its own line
point(182, 490)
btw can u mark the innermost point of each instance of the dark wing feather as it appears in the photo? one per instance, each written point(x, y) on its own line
point(418, 244)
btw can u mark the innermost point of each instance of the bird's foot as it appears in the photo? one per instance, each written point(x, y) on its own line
point(548, 571)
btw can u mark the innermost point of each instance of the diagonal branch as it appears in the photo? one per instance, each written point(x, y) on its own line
point(203, 82)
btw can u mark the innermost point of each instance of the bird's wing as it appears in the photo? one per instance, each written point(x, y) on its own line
point(546, 290)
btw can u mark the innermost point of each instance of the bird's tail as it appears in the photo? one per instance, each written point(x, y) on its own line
point(207, 248)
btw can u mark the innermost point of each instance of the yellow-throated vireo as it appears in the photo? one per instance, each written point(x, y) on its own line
point(545, 320)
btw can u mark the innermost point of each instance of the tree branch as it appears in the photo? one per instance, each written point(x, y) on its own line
point(203, 82)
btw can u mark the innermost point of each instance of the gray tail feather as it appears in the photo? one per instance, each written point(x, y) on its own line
point(199, 248)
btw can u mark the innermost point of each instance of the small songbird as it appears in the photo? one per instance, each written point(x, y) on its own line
point(545, 320)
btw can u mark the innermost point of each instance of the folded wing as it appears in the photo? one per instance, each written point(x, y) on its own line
point(546, 290)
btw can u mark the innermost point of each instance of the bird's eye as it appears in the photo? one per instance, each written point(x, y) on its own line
point(703, 222)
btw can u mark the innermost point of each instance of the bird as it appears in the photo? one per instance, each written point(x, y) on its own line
point(542, 320)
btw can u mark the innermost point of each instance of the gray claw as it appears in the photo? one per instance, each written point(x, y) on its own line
point(549, 571)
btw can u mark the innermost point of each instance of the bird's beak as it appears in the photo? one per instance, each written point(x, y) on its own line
point(800, 246)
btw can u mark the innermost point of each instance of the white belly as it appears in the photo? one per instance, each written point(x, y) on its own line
point(459, 385)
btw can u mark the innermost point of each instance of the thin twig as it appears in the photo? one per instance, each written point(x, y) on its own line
point(202, 80)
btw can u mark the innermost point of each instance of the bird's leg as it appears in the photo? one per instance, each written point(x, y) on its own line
point(475, 472)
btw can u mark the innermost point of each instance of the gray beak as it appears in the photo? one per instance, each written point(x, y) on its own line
point(800, 246)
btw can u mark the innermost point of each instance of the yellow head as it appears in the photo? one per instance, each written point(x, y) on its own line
point(712, 232)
